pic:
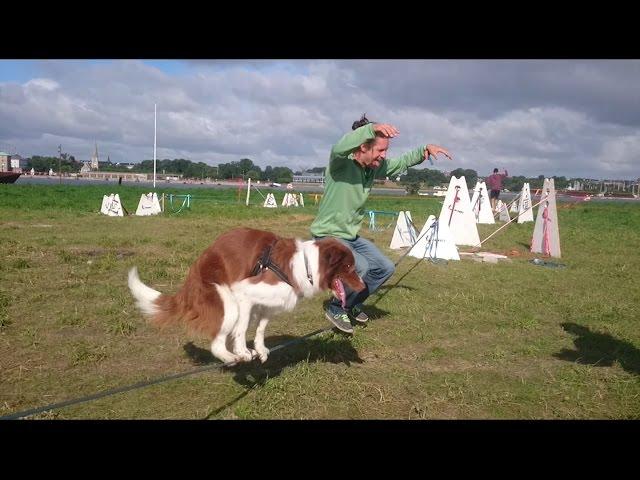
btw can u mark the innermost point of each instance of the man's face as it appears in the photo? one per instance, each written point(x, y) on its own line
point(374, 156)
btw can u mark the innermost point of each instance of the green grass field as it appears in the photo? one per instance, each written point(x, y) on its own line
point(456, 340)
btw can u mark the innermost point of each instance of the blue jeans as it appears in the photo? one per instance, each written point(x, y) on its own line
point(372, 266)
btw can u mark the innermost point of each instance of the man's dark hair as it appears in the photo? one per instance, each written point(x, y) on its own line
point(495, 170)
point(360, 123)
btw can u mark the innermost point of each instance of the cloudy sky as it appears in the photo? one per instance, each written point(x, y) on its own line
point(553, 117)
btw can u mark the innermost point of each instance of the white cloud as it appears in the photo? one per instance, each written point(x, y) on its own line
point(532, 117)
point(620, 154)
point(42, 84)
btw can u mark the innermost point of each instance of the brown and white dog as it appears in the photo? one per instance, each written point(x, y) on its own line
point(233, 282)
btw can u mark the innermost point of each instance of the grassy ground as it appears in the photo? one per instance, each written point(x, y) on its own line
point(447, 341)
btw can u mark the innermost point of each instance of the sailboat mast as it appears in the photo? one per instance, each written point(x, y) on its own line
point(154, 145)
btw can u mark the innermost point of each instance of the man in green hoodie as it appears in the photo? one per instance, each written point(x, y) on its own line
point(354, 162)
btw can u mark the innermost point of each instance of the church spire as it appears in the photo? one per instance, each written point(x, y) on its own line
point(94, 159)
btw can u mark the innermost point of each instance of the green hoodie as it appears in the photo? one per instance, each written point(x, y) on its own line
point(347, 184)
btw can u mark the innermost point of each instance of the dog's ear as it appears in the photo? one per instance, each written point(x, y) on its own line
point(335, 255)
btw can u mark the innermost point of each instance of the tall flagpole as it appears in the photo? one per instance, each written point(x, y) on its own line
point(154, 146)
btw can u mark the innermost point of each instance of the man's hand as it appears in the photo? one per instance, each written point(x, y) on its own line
point(433, 150)
point(385, 129)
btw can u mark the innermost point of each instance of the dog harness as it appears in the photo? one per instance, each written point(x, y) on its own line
point(265, 263)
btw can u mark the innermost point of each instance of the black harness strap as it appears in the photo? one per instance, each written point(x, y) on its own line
point(265, 263)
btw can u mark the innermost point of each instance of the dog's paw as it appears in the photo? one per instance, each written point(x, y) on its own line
point(245, 356)
point(243, 353)
point(257, 355)
point(262, 354)
point(229, 359)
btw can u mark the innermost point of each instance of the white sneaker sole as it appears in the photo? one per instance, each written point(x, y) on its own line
point(357, 320)
point(340, 325)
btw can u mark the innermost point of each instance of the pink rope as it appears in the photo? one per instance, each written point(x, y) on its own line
point(513, 219)
point(455, 199)
point(546, 243)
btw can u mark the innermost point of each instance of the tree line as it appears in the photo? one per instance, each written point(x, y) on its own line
point(244, 168)
point(413, 179)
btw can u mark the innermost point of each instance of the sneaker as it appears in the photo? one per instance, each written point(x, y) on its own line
point(358, 315)
point(339, 318)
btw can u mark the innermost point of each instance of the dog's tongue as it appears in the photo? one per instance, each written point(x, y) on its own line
point(338, 289)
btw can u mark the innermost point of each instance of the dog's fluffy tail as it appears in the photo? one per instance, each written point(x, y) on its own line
point(145, 296)
point(162, 309)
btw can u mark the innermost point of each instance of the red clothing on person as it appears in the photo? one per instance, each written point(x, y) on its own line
point(494, 181)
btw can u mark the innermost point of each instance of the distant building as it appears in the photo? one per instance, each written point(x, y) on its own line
point(95, 164)
point(126, 176)
point(86, 167)
point(577, 185)
point(615, 185)
point(18, 164)
point(5, 162)
point(309, 178)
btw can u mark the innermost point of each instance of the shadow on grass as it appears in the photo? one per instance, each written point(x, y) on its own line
point(599, 349)
point(332, 349)
point(374, 312)
point(336, 348)
point(386, 288)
